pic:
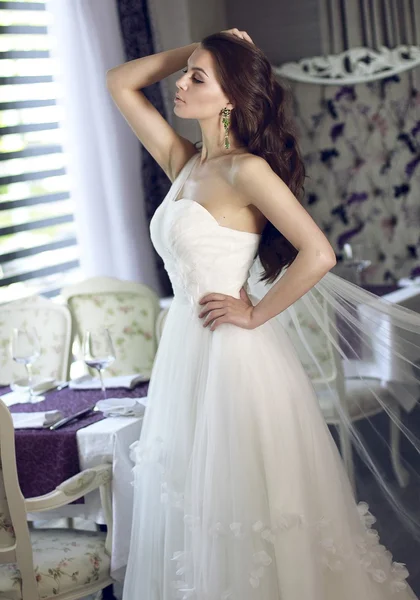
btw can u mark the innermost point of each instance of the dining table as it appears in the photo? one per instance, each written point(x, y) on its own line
point(382, 362)
point(45, 458)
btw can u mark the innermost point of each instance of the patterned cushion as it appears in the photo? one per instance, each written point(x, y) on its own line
point(64, 560)
point(52, 329)
point(130, 319)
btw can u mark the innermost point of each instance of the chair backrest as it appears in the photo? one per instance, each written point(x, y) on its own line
point(15, 542)
point(52, 322)
point(160, 322)
point(128, 309)
point(308, 325)
point(400, 341)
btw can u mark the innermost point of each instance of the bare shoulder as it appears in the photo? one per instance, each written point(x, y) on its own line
point(251, 174)
point(259, 183)
point(247, 167)
point(234, 167)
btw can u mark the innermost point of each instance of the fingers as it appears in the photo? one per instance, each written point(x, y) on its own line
point(209, 297)
point(247, 37)
point(212, 306)
point(214, 314)
point(217, 322)
point(243, 35)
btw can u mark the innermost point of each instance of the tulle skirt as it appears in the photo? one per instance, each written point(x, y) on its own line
point(240, 491)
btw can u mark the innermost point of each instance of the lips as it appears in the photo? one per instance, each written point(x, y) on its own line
point(178, 98)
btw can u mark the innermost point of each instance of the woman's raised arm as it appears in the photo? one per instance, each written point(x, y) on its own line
point(125, 82)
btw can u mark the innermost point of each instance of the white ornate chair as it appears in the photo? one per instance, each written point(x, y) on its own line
point(63, 564)
point(128, 309)
point(356, 401)
point(53, 325)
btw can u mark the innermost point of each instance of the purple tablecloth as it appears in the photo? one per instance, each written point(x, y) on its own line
point(380, 289)
point(46, 458)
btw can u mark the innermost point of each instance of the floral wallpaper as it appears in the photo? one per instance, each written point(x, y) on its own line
point(361, 147)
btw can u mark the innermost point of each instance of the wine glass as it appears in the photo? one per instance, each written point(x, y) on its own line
point(25, 349)
point(98, 352)
point(358, 256)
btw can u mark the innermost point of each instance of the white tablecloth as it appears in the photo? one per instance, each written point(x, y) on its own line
point(385, 365)
point(107, 441)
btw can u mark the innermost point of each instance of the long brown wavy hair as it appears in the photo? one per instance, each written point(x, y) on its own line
point(261, 121)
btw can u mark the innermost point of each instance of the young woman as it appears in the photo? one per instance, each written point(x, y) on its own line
point(240, 491)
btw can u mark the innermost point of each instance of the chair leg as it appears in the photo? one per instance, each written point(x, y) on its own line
point(347, 454)
point(402, 475)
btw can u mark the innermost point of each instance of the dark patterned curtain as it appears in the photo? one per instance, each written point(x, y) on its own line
point(138, 41)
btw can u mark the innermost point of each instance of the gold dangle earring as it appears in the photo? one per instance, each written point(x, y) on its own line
point(225, 112)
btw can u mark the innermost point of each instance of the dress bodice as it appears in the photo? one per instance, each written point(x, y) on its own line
point(199, 254)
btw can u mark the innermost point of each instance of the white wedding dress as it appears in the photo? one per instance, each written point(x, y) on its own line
point(240, 492)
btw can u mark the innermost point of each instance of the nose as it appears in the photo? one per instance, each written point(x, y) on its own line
point(181, 82)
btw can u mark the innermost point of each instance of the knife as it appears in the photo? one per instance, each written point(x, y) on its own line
point(66, 420)
point(62, 386)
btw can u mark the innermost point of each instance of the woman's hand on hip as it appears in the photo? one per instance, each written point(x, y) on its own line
point(220, 308)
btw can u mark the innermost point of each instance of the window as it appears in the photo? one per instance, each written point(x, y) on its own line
point(38, 245)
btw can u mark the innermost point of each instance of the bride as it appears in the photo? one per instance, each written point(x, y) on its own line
point(240, 491)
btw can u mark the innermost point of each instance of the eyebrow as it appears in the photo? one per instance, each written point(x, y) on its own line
point(198, 69)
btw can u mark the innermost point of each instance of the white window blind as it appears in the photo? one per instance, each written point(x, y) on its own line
point(38, 245)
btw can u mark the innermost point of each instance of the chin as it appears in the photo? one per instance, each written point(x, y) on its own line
point(180, 113)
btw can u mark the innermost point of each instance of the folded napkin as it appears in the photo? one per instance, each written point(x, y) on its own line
point(86, 382)
point(36, 420)
point(20, 390)
point(39, 385)
point(125, 407)
point(19, 398)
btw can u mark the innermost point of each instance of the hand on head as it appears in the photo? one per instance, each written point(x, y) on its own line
point(243, 35)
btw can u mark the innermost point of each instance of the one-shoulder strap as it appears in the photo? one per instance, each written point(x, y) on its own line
point(183, 175)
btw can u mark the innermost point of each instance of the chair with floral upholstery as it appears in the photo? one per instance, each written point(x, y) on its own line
point(52, 323)
point(355, 399)
point(127, 309)
point(64, 564)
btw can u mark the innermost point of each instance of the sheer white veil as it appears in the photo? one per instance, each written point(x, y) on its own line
point(362, 354)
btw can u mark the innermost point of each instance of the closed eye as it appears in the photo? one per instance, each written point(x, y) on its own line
point(193, 78)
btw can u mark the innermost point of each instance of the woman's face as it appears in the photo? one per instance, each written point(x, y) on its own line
point(201, 96)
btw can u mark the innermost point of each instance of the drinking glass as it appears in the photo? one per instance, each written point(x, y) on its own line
point(358, 256)
point(98, 352)
point(25, 349)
